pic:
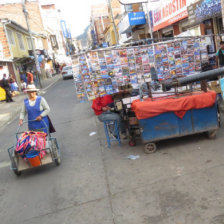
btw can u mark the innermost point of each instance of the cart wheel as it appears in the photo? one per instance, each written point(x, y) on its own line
point(150, 148)
point(57, 157)
point(15, 170)
point(17, 173)
point(219, 118)
point(58, 161)
point(212, 134)
point(132, 143)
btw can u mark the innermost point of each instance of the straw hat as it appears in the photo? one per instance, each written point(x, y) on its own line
point(31, 88)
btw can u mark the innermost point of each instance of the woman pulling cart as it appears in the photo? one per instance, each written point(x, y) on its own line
point(27, 157)
point(37, 109)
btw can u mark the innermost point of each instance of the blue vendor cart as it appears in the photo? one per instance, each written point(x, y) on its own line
point(168, 125)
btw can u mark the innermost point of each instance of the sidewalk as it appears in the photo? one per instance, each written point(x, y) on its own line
point(9, 111)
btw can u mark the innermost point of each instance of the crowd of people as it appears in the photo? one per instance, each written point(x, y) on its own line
point(10, 85)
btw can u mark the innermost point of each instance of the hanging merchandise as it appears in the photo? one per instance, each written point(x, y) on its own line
point(101, 72)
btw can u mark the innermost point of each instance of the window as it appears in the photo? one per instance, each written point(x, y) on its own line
point(39, 43)
point(21, 43)
point(54, 42)
point(10, 36)
point(29, 43)
point(128, 8)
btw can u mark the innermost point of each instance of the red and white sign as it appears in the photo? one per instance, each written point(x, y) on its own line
point(170, 12)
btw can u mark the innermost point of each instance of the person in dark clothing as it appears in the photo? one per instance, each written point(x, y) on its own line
point(6, 87)
point(220, 55)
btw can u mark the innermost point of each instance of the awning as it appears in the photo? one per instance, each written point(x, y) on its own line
point(23, 59)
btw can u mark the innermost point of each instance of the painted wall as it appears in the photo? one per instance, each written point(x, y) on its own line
point(16, 51)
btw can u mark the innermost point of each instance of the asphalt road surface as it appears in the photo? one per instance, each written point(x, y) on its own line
point(182, 183)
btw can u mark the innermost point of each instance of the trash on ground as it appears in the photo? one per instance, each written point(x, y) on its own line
point(133, 157)
point(92, 133)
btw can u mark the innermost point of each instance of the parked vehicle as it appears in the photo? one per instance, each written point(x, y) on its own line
point(67, 72)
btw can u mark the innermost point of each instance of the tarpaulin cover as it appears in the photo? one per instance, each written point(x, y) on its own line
point(179, 106)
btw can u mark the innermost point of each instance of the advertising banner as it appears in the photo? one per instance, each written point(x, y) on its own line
point(64, 29)
point(170, 12)
point(136, 18)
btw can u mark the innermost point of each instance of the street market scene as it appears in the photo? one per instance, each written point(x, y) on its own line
point(111, 111)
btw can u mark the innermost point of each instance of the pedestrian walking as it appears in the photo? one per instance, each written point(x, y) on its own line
point(29, 76)
point(6, 87)
point(37, 109)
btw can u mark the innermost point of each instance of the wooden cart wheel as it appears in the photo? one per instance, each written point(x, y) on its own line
point(150, 148)
point(212, 134)
point(55, 153)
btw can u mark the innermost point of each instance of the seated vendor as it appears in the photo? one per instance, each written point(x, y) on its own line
point(102, 107)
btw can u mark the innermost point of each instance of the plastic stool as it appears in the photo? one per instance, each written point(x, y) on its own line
point(111, 127)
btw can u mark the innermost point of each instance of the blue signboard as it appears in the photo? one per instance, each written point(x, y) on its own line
point(151, 18)
point(94, 37)
point(208, 8)
point(64, 29)
point(136, 18)
point(104, 44)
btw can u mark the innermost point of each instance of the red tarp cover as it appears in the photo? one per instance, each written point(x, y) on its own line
point(179, 106)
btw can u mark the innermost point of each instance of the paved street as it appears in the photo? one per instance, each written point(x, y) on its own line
point(182, 183)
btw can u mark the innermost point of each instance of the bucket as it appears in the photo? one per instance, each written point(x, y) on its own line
point(33, 158)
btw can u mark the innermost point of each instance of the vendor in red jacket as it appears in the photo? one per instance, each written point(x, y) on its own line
point(102, 108)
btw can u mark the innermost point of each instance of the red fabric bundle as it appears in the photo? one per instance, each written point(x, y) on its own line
point(179, 106)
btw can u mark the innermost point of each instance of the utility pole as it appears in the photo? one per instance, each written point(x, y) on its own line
point(149, 21)
point(32, 43)
point(114, 26)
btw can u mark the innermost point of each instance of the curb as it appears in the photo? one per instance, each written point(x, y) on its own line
point(13, 115)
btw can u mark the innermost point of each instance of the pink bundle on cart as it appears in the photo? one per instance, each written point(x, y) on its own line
point(30, 141)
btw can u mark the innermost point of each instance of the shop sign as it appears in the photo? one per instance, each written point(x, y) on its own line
point(104, 44)
point(207, 9)
point(203, 10)
point(64, 29)
point(93, 35)
point(170, 12)
point(136, 18)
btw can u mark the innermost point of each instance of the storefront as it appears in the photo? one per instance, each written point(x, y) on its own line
point(166, 18)
point(5, 68)
point(205, 18)
point(132, 27)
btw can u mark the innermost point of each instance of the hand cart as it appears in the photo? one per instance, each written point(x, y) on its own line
point(53, 154)
point(168, 125)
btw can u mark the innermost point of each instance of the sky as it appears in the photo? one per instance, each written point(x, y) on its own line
point(77, 13)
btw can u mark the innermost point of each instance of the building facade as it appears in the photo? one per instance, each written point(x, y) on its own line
point(133, 23)
point(52, 24)
point(16, 54)
point(99, 22)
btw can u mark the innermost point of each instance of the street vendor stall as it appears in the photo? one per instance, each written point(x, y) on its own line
point(172, 116)
point(105, 71)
